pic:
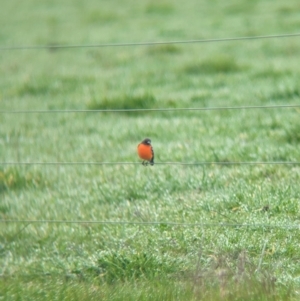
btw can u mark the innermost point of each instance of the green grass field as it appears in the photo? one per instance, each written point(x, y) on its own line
point(90, 261)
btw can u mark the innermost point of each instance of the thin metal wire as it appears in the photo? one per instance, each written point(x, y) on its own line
point(160, 163)
point(157, 223)
point(150, 110)
point(127, 44)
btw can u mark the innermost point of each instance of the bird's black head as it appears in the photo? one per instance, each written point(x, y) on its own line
point(146, 141)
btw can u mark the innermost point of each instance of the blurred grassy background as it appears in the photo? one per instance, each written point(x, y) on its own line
point(159, 262)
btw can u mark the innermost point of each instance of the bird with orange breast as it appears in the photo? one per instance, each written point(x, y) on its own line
point(145, 152)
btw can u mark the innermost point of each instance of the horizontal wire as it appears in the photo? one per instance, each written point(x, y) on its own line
point(157, 223)
point(150, 110)
point(52, 47)
point(159, 163)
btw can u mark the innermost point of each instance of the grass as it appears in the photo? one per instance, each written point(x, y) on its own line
point(85, 261)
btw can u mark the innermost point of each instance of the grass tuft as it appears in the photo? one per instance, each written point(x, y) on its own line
point(14, 179)
point(163, 49)
point(39, 87)
point(292, 134)
point(159, 8)
point(125, 102)
point(285, 94)
point(34, 88)
point(100, 17)
point(127, 264)
point(274, 73)
point(217, 64)
point(233, 277)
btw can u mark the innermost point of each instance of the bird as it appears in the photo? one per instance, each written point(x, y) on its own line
point(145, 152)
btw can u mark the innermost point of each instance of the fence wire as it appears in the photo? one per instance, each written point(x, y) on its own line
point(160, 163)
point(132, 44)
point(154, 223)
point(266, 107)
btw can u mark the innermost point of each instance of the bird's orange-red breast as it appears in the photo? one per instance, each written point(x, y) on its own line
point(145, 151)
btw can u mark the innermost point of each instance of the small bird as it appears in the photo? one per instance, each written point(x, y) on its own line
point(145, 152)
